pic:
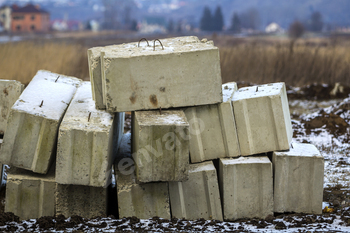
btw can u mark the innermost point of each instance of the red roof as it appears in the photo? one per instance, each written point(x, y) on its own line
point(29, 8)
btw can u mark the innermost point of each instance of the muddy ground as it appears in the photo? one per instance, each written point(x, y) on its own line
point(336, 217)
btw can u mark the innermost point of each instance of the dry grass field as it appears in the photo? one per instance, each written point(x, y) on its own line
point(253, 60)
point(20, 61)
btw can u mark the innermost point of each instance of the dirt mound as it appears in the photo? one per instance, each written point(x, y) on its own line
point(319, 91)
point(335, 120)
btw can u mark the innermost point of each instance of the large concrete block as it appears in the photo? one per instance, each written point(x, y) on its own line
point(199, 196)
point(185, 73)
point(30, 195)
point(160, 147)
point(31, 135)
point(85, 142)
point(85, 201)
point(246, 186)
point(10, 90)
point(141, 200)
point(213, 131)
point(262, 118)
point(298, 179)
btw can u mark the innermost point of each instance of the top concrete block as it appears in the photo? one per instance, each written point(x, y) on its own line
point(213, 131)
point(10, 90)
point(34, 119)
point(185, 73)
point(298, 179)
point(262, 118)
point(85, 142)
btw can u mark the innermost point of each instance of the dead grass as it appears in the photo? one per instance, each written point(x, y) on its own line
point(20, 61)
point(242, 59)
point(296, 64)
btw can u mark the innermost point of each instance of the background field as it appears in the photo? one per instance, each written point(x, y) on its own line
point(254, 60)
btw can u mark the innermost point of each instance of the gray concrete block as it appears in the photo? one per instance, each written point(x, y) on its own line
point(86, 141)
point(262, 118)
point(199, 196)
point(160, 147)
point(10, 90)
point(31, 135)
point(30, 195)
point(298, 179)
point(141, 200)
point(246, 187)
point(186, 73)
point(85, 201)
point(213, 131)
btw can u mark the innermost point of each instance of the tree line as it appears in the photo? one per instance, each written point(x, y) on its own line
point(250, 19)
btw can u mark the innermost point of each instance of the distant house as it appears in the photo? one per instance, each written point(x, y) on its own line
point(29, 18)
point(273, 28)
point(5, 18)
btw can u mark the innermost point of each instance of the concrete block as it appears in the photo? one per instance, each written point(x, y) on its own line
point(10, 90)
point(246, 187)
point(298, 179)
point(85, 201)
point(31, 135)
point(159, 145)
point(185, 73)
point(141, 200)
point(199, 196)
point(262, 118)
point(85, 142)
point(30, 195)
point(213, 131)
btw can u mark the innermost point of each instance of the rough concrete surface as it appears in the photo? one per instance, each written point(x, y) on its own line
point(140, 200)
point(160, 149)
point(246, 187)
point(30, 195)
point(10, 90)
point(85, 201)
point(185, 73)
point(298, 179)
point(94, 61)
point(30, 139)
point(262, 118)
point(213, 131)
point(85, 142)
point(199, 196)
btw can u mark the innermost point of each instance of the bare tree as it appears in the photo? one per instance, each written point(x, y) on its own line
point(296, 30)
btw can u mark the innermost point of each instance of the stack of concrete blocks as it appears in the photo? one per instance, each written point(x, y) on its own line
point(184, 122)
point(10, 90)
point(87, 142)
point(85, 148)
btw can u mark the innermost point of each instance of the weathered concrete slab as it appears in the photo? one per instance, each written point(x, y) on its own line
point(199, 196)
point(213, 131)
point(262, 118)
point(141, 200)
point(160, 148)
point(30, 195)
point(10, 90)
point(186, 73)
point(85, 142)
point(246, 187)
point(85, 201)
point(298, 179)
point(30, 139)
